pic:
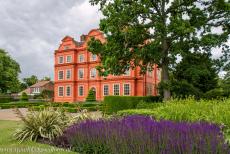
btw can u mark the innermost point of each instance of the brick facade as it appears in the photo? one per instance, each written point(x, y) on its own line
point(75, 74)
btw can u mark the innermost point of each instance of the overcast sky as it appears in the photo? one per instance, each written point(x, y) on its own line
point(30, 30)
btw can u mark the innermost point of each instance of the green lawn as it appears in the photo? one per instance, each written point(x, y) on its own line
point(10, 146)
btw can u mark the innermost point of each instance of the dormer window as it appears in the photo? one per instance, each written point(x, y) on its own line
point(66, 47)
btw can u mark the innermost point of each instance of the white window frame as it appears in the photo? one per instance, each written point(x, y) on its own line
point(59, 59)
point(59, 91)
point(104, 89)
point(63, 74)
point(79, 58)
point(78, 74)
point(70, 59)
point(124, 89)
point(70, 93)
point(79, 90)
point(92, 59)
point(70, 76)
point(91, 70)
point(119, 88)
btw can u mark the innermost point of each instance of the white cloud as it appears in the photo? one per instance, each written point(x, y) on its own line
point(31, 30)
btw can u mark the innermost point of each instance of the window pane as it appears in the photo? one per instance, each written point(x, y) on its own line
point(68, 91)
point(106, 90)
point(116, 89)
point(126, 89)
point(81, 58)
point(60, 91)
point(60, 75)
point(60, 60)
point(94, 57)
point(68, 74)
point(81, 91)
point(80, 73)
point(93, 73)
point(69, 59)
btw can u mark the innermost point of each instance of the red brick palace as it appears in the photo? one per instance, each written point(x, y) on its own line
point(75, 74)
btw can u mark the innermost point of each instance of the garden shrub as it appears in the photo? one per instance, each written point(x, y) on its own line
point(5, 99)
point(91, 96)
point(214, 94)
point(24, 97)
point(44, 124)
point(140, 134)
point(116, 103)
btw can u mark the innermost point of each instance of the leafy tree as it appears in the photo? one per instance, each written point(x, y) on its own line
point(46, 78)
point(9, 71)
point(46, 94)
point(198, 69)
point(30, 80)
point(91, 96)
point(225, 85)
point(147, 32)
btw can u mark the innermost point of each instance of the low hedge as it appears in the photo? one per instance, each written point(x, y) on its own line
point(117, 103)
point(5, 99)
point(146, 112)
point(19, 105)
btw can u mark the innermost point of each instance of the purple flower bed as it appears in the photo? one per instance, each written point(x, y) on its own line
point(140, 134)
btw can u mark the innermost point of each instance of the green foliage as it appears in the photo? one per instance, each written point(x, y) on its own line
point(5, 99)
point(190, 110)
point(30, 80)
point(46, 94)
point(10, 70)
point(19, 105)
point(91, 96)
point(24, 97)
point(116, 103)
point(44, 124)
point(214, 94)
point(197, 73)
point(177, 27)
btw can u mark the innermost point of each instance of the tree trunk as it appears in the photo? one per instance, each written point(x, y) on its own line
point(165, 79)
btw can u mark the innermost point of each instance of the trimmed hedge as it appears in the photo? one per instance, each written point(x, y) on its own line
point(6, 99)
point(19, 105)
point(117, 103)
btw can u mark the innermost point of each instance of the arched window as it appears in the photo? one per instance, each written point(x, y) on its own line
point(93, 73)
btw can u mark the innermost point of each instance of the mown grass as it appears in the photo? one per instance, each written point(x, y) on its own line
point(8, 145)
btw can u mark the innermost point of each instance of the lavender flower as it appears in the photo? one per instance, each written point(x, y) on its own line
point(143, 135)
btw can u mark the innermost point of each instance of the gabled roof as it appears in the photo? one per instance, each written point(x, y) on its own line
point(40, 84)
point(67, 38)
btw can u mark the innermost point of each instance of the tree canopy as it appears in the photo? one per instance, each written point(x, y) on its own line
point(9, 71)
point(29, 81)
point(197, 73)
point(147, 32)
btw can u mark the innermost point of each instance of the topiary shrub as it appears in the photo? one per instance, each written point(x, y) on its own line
point(24, 97)
point(91, 96)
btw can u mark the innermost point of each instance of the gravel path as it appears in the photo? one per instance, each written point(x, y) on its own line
point(9, 114)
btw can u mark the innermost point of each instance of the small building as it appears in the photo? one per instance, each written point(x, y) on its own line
point(75, 74)
point(38, 87)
